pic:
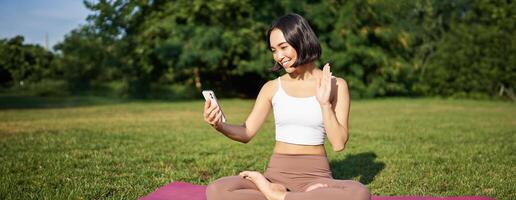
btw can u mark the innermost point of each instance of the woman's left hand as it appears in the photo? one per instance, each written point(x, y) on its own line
point(323, 88)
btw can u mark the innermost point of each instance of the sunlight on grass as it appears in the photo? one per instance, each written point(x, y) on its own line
point(122, 150)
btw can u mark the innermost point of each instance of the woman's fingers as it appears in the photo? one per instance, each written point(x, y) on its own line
point(217, 118)
point(323, 75)
point(213, 114)
point(329, 82)
point(206, 106)
point(326, 82)
point(322, 81)
point(209, 115)
point(211, 108)
point(207, 110)
point(326, 76)
point(326, 72)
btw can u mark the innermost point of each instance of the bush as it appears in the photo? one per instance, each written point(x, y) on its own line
point(47, 87)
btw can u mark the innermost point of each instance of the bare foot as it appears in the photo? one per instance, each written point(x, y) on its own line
point(315, 186)
point(278, 187)
point(272, 191)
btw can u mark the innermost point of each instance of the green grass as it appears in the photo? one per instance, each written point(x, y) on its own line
point(107, 149)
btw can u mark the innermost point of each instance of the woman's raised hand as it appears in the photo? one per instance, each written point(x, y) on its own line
point(212, 114)
point(323, 88)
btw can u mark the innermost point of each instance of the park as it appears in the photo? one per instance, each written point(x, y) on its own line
point(115, 111)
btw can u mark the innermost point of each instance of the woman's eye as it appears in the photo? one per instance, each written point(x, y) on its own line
point(283, 47)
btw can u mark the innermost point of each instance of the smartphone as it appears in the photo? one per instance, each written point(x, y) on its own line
point(210, 95)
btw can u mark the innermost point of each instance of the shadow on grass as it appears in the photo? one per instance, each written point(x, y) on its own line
point(362, 165)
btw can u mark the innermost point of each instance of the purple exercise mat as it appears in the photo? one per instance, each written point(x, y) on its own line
point(187, 191)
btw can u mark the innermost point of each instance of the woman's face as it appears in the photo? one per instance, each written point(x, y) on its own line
point(283, 53)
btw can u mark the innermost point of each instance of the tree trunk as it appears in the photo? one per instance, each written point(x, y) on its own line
point(197, 79)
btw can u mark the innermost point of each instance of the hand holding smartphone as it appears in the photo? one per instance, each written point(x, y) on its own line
point(210, 95)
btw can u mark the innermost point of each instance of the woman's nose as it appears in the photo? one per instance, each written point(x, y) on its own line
point(279, 56)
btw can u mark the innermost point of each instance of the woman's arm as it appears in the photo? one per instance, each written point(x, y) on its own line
point(335, 110)
point(245, 132)
point(335, 116)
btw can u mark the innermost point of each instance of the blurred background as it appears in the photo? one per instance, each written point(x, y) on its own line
point(101, 99)
point(157, 49)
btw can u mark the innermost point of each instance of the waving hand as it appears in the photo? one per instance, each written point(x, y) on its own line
point(323, 88)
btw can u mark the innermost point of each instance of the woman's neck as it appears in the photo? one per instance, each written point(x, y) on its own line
point(304, 72)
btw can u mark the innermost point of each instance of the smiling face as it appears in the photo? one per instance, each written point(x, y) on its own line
point(283, 53)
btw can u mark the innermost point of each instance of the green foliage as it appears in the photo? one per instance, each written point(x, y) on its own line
point(476, 57)
point(22, 64)
point(461, 48)
point(368, 46)
point(183, 41)
point(84, 59)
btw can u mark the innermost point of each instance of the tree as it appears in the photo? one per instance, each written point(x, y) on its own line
point(84, 59)
point(473, 55)
point(23, 63)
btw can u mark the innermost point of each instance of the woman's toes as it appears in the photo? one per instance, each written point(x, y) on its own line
point(250, 175)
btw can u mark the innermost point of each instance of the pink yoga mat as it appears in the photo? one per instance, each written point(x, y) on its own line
point(187, 191)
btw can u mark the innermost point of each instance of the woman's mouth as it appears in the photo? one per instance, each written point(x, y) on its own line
point(284, 63)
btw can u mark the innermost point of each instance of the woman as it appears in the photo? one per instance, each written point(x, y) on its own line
point(309, 105)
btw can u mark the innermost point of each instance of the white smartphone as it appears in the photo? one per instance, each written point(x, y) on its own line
point(210, 95)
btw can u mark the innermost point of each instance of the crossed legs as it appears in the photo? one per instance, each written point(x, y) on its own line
point(256, 187)
point(288, 177)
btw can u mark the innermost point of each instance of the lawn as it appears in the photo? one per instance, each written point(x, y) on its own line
point(93, 148)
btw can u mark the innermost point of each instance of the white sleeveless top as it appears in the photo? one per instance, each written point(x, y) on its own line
point(298, 119)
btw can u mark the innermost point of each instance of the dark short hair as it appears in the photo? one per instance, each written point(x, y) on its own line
point(300, 36)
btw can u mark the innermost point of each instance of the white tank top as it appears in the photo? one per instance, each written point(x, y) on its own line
point(298, 119)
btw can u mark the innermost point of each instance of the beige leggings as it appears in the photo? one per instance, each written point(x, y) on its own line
point(296, 173)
